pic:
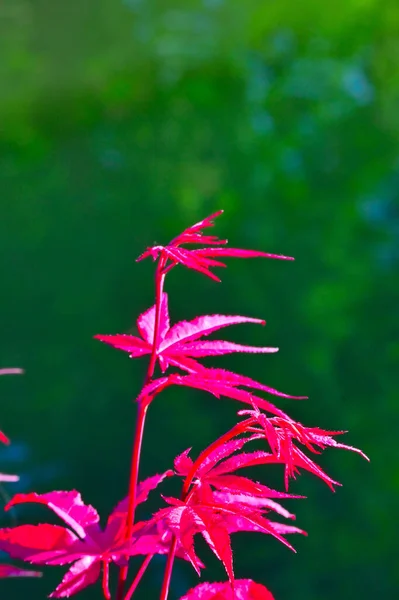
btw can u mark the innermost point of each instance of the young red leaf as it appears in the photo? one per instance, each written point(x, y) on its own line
point(230, 488)
point(193, 234)
point(204, 258)
point(183, 463)
point(281, 433)
point(175, 344)
point(244, 589)
point(228, 379)
point(221, 452)
point(237, 253)
point(224, 383)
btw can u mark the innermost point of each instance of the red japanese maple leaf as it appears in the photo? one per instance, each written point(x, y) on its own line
point(244, 589)
point(216, 503)
point(175, 344)
point(217, 470)
point(219, 382)
point(202, 259)
point(282, 432)
point(82, 542)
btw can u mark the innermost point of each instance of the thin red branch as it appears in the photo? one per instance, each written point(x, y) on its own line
point(139, 429)
point(138, 577)
point(168, 570)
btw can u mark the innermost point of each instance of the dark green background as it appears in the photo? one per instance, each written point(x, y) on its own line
point(123, 122)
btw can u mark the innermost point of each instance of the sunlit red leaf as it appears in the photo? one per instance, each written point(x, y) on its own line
point(69, 506)
point(202, 259)
point(85, 544)
point(177, 343)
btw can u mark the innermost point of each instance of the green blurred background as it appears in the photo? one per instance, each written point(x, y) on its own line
point(122, 122)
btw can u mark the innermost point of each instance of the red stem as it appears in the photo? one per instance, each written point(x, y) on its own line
point(139, 429)
point(168, 570)
point(139, 575)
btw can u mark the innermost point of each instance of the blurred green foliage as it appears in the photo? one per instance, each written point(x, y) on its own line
point(122, 123)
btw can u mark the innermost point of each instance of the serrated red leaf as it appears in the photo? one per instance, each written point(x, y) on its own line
point(83, 572)
point(66, 505)
point(201, 259)
point(183, 463)
point(214, 519)
point(85, 545)
point(242, 484)
point(177, 343)
point(221, 452)
point(281, 433)
point(224, 383)
point(237, 253)
point(229, 497)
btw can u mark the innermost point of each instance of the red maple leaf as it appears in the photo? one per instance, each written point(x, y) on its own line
point(202, 259)
point(282, 432)
point(175, 344)
point(219, 382)
point(217, 470)
point(82, 542)
point(216, 502)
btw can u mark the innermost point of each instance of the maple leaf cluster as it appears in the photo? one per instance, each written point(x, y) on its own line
point(216, 499)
